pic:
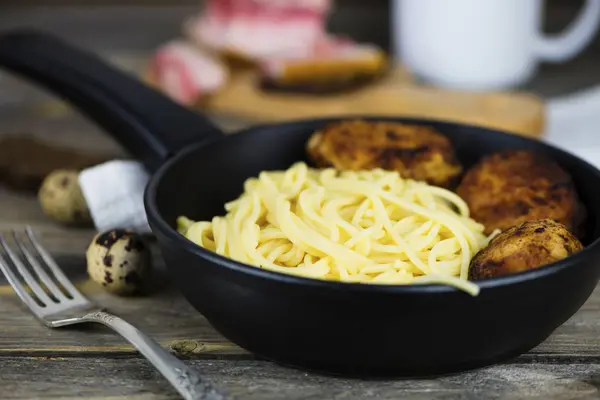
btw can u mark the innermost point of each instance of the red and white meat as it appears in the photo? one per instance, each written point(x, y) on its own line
point(186, 73)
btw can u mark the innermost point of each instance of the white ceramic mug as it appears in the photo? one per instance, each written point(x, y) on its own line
point(483, 44)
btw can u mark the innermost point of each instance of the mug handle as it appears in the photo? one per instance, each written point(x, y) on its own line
point(576, 37)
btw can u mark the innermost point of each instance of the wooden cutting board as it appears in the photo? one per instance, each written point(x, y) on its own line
point(395, 95)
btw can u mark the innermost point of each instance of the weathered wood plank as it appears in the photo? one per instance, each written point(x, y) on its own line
point(166, 317)
point(163, 314)
point(172, 320)
point(126, 378)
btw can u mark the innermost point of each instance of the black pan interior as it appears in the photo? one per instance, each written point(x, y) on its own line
point(199, 181)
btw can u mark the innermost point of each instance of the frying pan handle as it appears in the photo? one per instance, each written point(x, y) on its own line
point(151, 126)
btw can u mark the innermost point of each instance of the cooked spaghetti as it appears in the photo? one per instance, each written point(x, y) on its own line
point(365, 226)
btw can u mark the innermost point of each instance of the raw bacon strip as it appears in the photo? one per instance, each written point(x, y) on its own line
point(256, 29)
point(186, 73)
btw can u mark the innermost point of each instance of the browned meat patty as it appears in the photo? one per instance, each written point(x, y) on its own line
point(508, 188)
point(520, 248)
point(416, 152)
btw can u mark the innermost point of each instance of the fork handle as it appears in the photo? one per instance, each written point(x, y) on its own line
point(187, 381)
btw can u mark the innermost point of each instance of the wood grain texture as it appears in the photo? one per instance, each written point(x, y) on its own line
point(127, 378)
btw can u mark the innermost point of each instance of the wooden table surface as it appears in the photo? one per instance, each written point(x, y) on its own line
point(36, 362)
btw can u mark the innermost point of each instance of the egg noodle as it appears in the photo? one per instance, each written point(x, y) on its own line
point(365, 226)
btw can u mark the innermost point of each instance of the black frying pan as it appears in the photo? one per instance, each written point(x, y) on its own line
point(345, 328)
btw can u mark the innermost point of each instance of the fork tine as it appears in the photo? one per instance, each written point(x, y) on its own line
point(42, 275)
point(31, 282)
point(56, 271)
point(17, 285)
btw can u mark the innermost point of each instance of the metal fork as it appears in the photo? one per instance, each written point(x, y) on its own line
point(56, 308)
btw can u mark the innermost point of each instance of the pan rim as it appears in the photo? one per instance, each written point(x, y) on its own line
point(160, 223)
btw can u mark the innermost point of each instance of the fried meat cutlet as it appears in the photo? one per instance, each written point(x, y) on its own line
point(529, 245)
point(416, 152)
point(508, 188)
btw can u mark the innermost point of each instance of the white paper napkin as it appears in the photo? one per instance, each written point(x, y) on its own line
point(114, 192)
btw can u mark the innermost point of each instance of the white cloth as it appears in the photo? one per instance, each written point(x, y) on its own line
point(114, 190)
point(574, 124)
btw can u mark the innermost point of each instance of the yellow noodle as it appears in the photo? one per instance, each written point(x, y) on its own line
point(371, 227)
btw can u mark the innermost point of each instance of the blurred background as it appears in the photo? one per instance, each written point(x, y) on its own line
point(141, 25)
point(435, 74)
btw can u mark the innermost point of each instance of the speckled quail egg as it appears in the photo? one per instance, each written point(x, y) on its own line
point(61, 198)
point(119, 261)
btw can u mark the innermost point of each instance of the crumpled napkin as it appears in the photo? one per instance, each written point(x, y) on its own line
point(114, 190)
